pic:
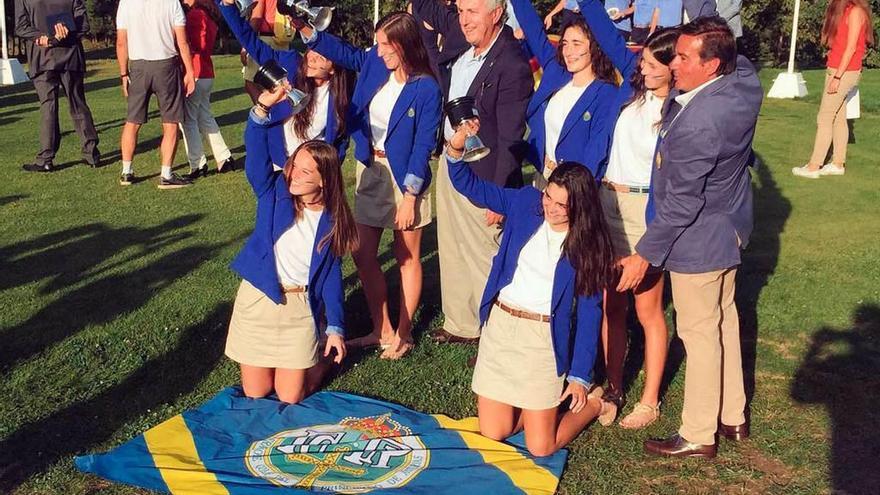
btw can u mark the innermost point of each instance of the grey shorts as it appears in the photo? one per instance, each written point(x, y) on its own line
point(164, 78)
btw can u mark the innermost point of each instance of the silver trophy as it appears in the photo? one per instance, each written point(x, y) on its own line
point(318, 17)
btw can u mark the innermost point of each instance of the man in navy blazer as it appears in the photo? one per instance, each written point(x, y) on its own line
point(703, 197)
point(480, 58)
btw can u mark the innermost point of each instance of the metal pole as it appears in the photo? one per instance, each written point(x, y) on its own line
point(794, 30)
point(3, 27)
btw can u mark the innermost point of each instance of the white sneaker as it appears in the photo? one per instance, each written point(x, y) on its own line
point(832, 169)
point(805, 172)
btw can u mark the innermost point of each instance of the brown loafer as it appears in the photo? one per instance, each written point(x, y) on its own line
point(735, 433)
point(441, 336)
point(676, 446)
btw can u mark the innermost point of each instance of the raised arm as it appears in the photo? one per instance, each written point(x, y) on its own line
point(245, 34)
point(484, 193)
point(440, 17)
point(533, 29)
point(257, 162)
point(337, 50)
point(609, 39)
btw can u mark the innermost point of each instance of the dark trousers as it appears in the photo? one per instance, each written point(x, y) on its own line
point(47, 85)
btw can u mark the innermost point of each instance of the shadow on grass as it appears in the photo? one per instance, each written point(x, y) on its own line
point(65, 258)
point(85, 426)
point(5, 200)
point(841, 370)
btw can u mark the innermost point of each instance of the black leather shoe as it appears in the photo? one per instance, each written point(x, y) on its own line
point(676, 446)
point(94, 160)
point(33, 167)
point(735, 433)
point(195, 174)
point(228, 165)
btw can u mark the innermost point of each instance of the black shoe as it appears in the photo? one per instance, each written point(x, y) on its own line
point(94, 160)
point(175, 182)
point(126, 179)
point(228, 165)
point(194, 174)
point(33, 167)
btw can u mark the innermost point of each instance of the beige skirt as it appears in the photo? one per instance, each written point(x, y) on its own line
point(270, 335)
point(625, 216)
point(376, 197)
point(515, 363)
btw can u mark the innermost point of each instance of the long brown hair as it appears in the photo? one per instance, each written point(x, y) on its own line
point(340, 82)
point(587, 244)
point(834, 15)
point(602, 66)
point(402, 30)
point(343, 236)
point(662, 47)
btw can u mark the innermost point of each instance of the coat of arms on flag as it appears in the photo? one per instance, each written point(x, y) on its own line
point(331, 442)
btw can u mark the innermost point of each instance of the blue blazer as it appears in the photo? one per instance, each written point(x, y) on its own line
point(574, 344)
point(290, 60)
point(702, 187)
point(415, 118)
point(276, 212)
point(588, 127)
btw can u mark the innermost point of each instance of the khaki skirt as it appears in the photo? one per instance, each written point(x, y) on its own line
point(270, 335)
point(625, 216)
point(516, 364)
point(376, 197)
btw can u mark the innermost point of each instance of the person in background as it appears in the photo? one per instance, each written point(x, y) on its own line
point(570, 115)
point(486, 62)
point(327, 84)
point(553, 263)
point(702, 192)
point(274, 29)
point(623, 22)
point(56, 60)
point(151, 44)
point(646, 82)
point(291, 266)
point(645, 18)
point(198, 122)
point(570, 13)
point(670, 13)
point(847, 31)
point(395, 114)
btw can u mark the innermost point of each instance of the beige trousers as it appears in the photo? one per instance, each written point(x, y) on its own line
point(466, 247)
point(708, 324)
point(831, 125)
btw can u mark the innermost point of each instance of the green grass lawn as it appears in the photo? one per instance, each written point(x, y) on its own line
point(115, 303)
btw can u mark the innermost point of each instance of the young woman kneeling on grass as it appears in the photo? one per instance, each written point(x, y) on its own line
point(554, 261)
point(291, 266)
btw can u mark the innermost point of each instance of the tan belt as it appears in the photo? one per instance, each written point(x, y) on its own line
point(294, 289)
point(379, 154)
point(625, 189)
point(522, 314)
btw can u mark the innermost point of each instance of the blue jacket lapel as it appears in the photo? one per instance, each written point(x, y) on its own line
point(318, 256)
point(554, 77)
point(579, 110)
point(402, 105)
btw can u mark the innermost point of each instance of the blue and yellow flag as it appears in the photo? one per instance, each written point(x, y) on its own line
point(330, 442)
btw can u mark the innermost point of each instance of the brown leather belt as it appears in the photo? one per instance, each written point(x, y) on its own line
point(625, 189)
point(522, 314)
point(379, 154)
point(294, 289)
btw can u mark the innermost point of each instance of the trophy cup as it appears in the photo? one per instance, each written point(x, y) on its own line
point(318, 17)
point(461, 110)
point(271, 75)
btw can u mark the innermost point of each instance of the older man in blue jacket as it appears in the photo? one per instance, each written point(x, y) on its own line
point(703, 197)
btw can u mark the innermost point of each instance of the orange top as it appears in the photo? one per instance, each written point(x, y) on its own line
point(267, 22)
point(838, 45)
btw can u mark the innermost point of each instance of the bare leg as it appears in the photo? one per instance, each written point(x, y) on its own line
point(128, 142)
point(614, 336)
point(407, 250)
point(649, 308)
point(497, 419)
point(256, 381)
point(290, 385)
point(375, 290)
point(168, 148)
point(548, 430)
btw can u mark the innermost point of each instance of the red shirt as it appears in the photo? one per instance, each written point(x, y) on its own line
point(838, 45)
point(201, 32)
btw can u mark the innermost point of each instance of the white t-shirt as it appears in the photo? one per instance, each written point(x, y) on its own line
point(318, 126)
point(532, 286)
point(558, 108)
point(293, 250)
point(150, 26)
point(380, 110)
point(635, 137)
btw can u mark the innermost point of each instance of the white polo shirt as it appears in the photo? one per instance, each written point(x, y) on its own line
point(150, 27)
